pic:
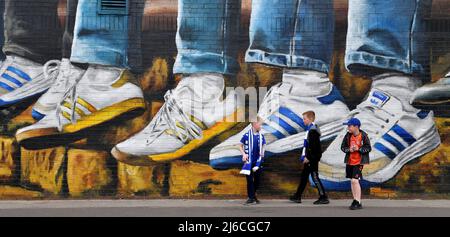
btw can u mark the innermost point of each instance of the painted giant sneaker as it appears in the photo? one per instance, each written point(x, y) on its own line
point(67, 75)
point(192, 114)
point(20, 80)
point(282, 109)
point(433, 95)
point(398, 133)
point(103, 94)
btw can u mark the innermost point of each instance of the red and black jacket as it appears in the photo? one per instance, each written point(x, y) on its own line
point(364, 150)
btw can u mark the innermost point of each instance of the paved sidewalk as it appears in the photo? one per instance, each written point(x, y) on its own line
point(221, 208)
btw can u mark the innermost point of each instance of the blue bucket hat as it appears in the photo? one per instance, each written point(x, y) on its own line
point(354, 122)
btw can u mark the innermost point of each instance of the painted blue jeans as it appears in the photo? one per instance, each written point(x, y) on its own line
point(292, 33)
point(285, 33)
point(389, 35)
point(207, 36)
point(100, 34)
point(384, 34)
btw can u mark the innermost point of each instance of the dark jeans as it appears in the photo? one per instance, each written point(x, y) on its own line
point(33, 30)
point(2, 36)
point(253, 181)
point(313, 170)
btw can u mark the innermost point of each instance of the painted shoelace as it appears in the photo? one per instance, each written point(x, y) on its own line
point(176, 120)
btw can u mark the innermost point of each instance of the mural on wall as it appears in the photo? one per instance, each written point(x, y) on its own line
point(125, 97)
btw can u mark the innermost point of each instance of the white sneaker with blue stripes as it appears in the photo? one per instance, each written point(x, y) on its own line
point(397, 131)
point(21, 79)
point(282, 109)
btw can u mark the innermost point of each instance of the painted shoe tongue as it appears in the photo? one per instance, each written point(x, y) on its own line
point(305, 85)
point(99, 75)
point(197, 92)
point(25, 62)
point(378, 98)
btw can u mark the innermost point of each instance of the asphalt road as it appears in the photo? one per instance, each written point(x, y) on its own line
point(221, 208)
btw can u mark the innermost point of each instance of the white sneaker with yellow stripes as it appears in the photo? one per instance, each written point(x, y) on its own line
point(193, 113)
point(397, 131)
point(67, 75)
point(103, 94)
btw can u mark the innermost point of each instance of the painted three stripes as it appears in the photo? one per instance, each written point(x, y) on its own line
point(6, 86)
point(12, 79)
point(406, 137)
point(286, 112)
point(80, 104)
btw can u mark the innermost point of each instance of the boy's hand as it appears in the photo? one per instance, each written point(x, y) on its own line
point(256, 168)
point(245, 158)
point(305, 161)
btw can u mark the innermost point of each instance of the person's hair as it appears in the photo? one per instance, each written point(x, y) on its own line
point(310, 114)
point(258, 120)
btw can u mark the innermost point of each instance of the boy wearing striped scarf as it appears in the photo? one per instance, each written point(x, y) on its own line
point(252, 150)
point(311, 154)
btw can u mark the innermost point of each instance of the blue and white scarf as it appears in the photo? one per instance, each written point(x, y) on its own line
point(305, 142)
point(247, 168)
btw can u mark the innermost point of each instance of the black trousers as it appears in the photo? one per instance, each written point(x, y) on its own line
point(313, 170)
point(32, 29)
point(253, 181)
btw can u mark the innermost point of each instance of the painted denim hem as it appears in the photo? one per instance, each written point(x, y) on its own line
point(196, 62)
point(383, 62)
point(286, 60)
point(99, 55)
